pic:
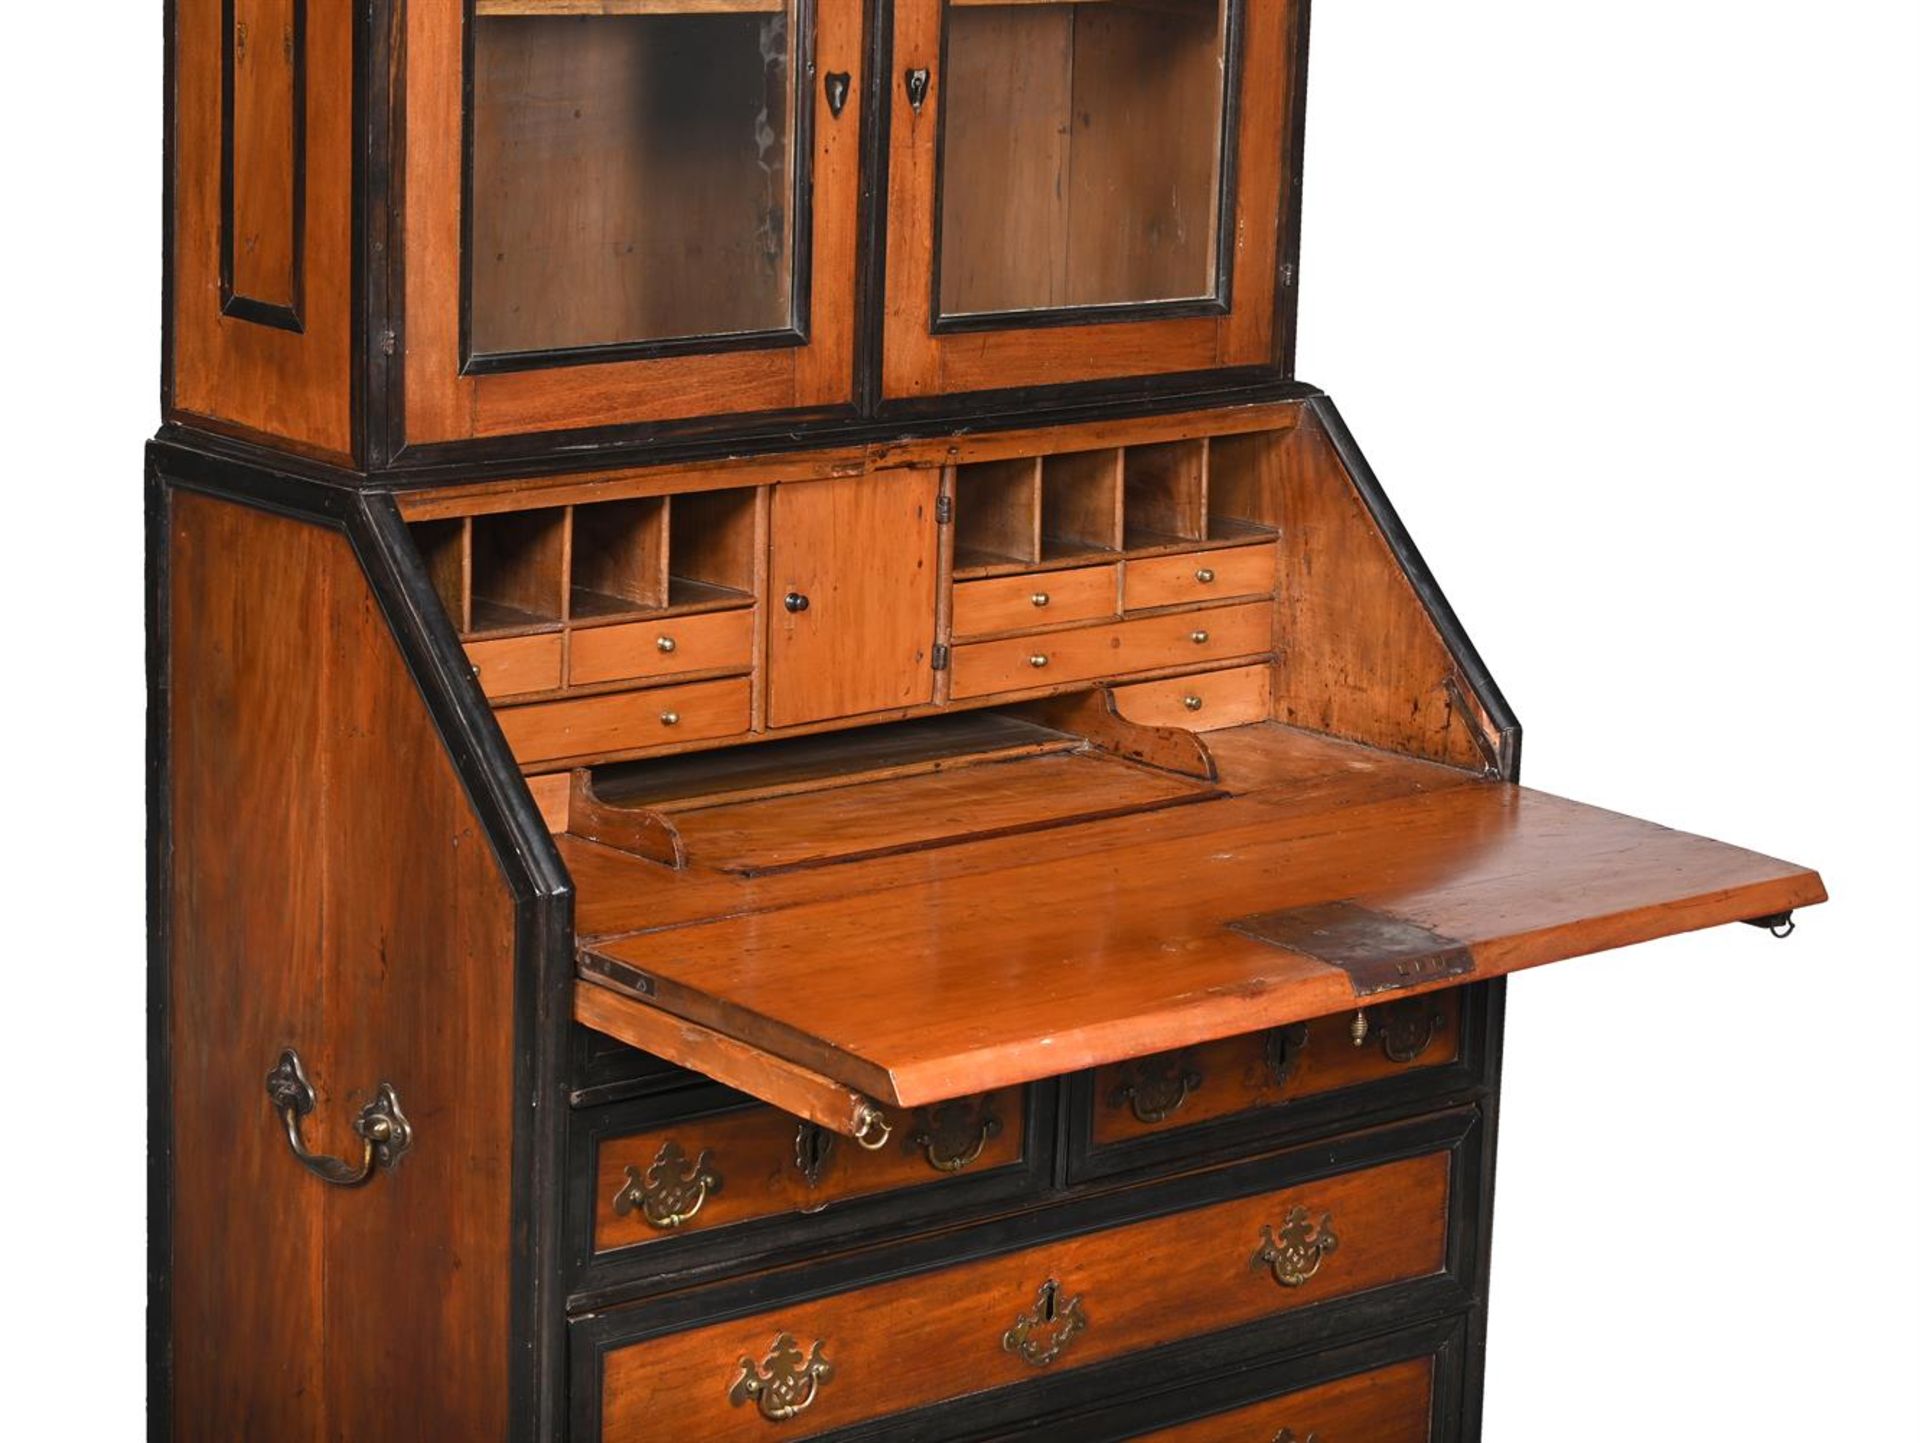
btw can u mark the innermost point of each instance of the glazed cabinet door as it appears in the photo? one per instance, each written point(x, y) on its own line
point(853, 575)
point(1084, 190)
point(629, 212)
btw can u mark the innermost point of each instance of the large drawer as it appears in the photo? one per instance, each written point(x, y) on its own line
point(869, 1352)
point(1388, 1405)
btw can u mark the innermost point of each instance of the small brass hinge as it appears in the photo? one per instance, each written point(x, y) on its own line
point(389, 343)
point(943, 511)
point(940, 655)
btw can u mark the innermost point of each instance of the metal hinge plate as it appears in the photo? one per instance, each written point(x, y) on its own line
point(940, 655)
point(943, 511)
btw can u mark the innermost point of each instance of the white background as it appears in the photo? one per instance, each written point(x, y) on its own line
point(1621, 302)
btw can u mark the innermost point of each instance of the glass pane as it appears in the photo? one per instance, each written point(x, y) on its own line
point(633, 175)
point(1080, 157)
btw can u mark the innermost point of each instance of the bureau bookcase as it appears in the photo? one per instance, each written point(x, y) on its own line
point(798, 791)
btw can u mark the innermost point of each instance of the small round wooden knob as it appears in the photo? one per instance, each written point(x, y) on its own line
point(1037, 660)
point(1201, 638)
point(669, 718)
point(1204, 576)
point(667, 645)
point(1040, 598)
point(1192, 703)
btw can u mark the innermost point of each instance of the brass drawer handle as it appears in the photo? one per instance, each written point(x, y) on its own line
point(1295, 1256)
point(1041, 598)
point(1407, 1029)
point(671, 1191)
point(954, 1134)
point(1155, 1088)
point(786, 1384)
point(383, 1129)
point(1201, 638)
point(1038, 661)
point(1042, 1333)
point(1204, 576)
point(669, 718)
point(668, 646)
point(1192, 702)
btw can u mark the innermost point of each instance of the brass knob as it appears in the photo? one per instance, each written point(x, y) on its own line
point(1040, 598)
point(1037, 660)
point(667, 645)
point(1204, 576)
point(1201, 638)
point(1192, 703)
point(669, 718)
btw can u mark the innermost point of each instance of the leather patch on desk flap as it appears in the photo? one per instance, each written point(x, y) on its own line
point(1378, 952)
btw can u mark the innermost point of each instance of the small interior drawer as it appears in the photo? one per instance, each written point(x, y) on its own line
point(548, 731)
point(1186, 577)
point(708, 1173)
point(828, 1362)
point(515, 665)
point(1191, 638)
point(1387, 1405)
point(1203, 702)
point(642, 650)
point(1046, 598)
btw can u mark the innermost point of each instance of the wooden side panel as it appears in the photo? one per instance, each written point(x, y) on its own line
point(328, 876)
point(262, 241)
point(1360, 657)
point(862, 551)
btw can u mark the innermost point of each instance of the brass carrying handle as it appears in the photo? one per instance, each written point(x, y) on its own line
point(383, 1129)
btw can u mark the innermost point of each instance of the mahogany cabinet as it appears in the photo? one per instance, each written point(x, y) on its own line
point(796, 790)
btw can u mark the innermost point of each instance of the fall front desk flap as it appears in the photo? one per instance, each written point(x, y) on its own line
point(944, 936)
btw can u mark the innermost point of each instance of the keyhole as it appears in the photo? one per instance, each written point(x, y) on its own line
point(1049, 1301)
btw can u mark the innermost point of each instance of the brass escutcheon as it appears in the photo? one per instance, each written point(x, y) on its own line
point(1295, 1256)
point(1042, 1333)
point(1408, 1028)
point(671, 1190)
point(1285, 1435)
point(1285, 1047)
point(786, 1384)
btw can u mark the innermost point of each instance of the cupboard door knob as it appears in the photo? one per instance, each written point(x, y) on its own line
point(1040, 598)
point(1296, 1254)
point(785, 1385)
point(667, 645)
point(1201, 638)
point(670, 1190)
point(919, 79)
point(382, 1127)
point(839, 85)
point(1193, 703)
point(1204, 576)
point(669, 718)
point(797, 601)
point(1037, 661)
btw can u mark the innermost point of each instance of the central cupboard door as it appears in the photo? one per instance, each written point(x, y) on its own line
point(1084, 190)
point(853, 580)
point(632, 211)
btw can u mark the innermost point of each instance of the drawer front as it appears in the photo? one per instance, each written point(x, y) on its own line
point(547, 731)
point(1174, 1090)
point(1190, 638)
point(830, 1362)
point(707, 1173)
point(1200, 703)
point(715, 641)
point(1388, 1405)
point(516, 664)
point(1187, 577)
point(1019, 603)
